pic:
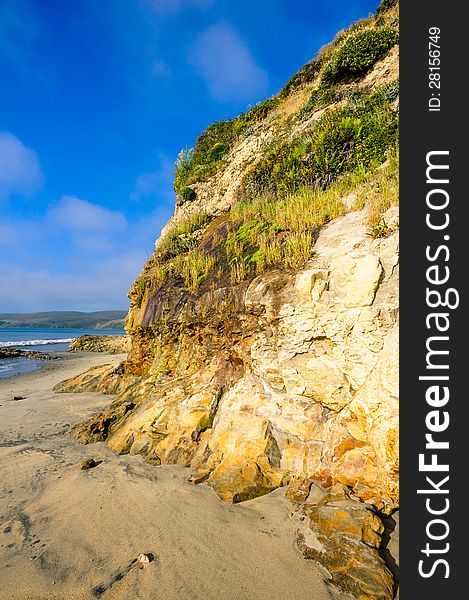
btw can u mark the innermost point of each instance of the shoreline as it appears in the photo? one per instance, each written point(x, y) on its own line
point(67, 533)
point(18, 356)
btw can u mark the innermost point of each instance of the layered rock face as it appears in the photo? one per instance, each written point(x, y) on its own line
point(345, 537)
point(293, 375)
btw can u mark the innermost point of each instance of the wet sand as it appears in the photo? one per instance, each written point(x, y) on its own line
point(69, 534)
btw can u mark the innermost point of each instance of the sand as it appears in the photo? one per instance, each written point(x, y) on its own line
point(71, 534)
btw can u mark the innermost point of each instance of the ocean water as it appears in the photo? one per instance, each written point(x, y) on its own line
point(39, 340)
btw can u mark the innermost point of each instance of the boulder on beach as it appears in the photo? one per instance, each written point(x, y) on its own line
point(112, 344)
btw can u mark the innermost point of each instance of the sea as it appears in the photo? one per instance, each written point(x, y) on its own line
point(39, 340)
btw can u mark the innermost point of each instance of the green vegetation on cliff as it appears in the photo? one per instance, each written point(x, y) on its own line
point(199, 163)
point(344, 139)
point(351, 55)
point(358, 53)
point(331, 133)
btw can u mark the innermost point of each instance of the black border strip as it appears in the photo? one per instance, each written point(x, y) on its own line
point(424, 131)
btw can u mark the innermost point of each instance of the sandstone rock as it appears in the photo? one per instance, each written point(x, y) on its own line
point(344, 536)
point(297, 385)
point(108, 379)
point(301, 491)
point(112, 344)
point(237, 479)
point(88, 463)
point(354, 279)
point(348, 202)
point(288, 378)
point(285, 379)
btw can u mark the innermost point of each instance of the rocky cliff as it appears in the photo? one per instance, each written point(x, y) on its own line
point(264, 326)
point(111, 344)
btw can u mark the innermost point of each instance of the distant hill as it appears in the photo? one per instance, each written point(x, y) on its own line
point(102, 319)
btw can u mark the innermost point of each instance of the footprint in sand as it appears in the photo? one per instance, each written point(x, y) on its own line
point(118, 575)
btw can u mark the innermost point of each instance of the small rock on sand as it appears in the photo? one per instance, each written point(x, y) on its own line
point(144, 558)
point(89, 463)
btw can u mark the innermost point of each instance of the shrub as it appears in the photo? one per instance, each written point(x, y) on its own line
point(358, 53)
point(256, 114)
point(217, 135)
point(217, 152)
point(384, 5)
point(198, 163)
point(386, 93)
point(319, 97)
point(344, 139)
point(188, 194)
point(380, 230)
point(282, 169)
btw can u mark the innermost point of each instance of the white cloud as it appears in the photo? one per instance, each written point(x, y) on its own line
point(76, 214)
point(51, 263)
point(8, 234)
point(101, 284)
point(20, 172)
point(225, 62)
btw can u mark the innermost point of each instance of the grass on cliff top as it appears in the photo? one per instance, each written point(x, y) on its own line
point(267, 232)
point(358, 53)
point(349, 56)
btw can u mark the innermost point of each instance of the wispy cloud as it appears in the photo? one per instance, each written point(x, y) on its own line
point(90, 228)
point(101, 284)
point(20, 172)
point(76, 214)
point(225, 62)
point(66, 259)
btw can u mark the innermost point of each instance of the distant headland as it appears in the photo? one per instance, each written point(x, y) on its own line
point(64, 319)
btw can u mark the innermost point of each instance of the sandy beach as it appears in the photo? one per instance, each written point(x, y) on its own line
point(67, 533)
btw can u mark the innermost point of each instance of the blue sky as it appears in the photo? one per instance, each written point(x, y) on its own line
point(97, 98)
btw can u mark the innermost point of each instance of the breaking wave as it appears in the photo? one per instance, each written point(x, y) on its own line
point(34, 342)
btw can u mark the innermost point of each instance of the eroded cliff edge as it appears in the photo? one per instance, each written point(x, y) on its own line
point(264, 328)
point(289, 375)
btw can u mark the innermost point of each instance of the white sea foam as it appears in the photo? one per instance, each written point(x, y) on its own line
point(34, 342)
